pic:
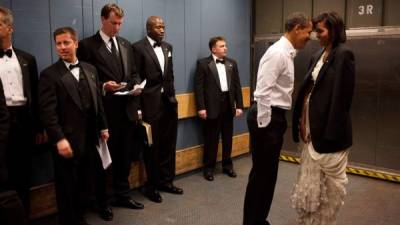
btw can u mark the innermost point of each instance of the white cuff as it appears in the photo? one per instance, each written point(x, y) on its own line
point(264, 120)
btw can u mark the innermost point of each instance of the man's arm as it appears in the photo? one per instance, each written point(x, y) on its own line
point(199, 90)
point(269, 70)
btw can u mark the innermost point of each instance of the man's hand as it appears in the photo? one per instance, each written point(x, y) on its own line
point(64, 149)
point(202, 114)
point(239, 112)
point(104, 135)
point(111, 86)
point(138, 90)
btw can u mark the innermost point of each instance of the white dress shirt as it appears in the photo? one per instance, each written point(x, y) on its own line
point(75, 71)
point(11, 77)
point(275, 80)
point(159, 53)
point(221, 74)
point(106, 40)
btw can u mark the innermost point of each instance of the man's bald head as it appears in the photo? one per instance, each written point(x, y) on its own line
point(155, 28)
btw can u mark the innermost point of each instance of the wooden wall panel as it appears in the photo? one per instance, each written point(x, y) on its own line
point(187, 103)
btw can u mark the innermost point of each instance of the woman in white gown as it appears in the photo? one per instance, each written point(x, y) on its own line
point(321, 117)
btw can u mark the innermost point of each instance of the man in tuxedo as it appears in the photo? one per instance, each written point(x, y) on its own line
point(153, 58)
point(113, 57)
point(218, 99)
point(72, 113)
point(266, 118)
point(19, 76)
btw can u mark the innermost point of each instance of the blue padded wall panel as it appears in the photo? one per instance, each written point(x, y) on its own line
point(239, 46)
point(5, 3)
point(153, 8)
point(74, 18)
point(32, 29)
point(132, 28)
point(189, 133)
point(175, 34)
point(87, 12)
point(193, 44)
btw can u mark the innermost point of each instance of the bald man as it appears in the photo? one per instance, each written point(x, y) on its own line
point(153, 58)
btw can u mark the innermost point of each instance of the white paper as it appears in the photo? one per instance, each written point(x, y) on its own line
point(105, 157)
point(135, 88)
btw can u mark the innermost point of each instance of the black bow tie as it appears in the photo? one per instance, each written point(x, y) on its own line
point(7, 52)
point(157, 44)
point(222, 61)
point(74, 66)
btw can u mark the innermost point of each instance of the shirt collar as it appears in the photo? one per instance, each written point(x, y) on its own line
point(151, 40)
point(105, 37)
point(288, 47)
point(11, 47)
point(215, 57)
point(67, 63)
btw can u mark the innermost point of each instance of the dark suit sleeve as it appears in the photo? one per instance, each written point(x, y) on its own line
point(134, 77)
point(4, 124)
point(34, 79)
point(138, 61)
point(238, 88)
point(171, 77)
point(83, 52)
point(48, 107)
point(199, 86)
point(101, 117)
point(342, 94)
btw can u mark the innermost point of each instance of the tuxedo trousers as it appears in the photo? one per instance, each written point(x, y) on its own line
point(160, 157)
point(212, 129)
point(266, 144)
point(74, 179)
point(121, 143)
point(19, 152)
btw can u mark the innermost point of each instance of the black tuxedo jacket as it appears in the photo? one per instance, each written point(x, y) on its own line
point(61, 108)
point(149, 68)
point(94, 51)
point(330, 101)
point(3, 137)
point(207, 86)
point(30, 85)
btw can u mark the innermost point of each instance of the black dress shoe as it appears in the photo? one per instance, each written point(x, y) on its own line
point(208, 175)
point(106, 213)
point(128, 203)
point(229, 172)
point(170, 188)
point(153, 196)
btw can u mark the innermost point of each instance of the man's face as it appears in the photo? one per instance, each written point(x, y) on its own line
point(219, 49)
point(112, 24)
point(302, 36)
point(157, 29)
point(6, 30)
point(66, 47)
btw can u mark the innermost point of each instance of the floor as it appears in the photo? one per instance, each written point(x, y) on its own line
point(369, 201)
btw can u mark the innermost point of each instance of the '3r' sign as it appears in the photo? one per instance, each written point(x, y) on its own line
point(365, 10)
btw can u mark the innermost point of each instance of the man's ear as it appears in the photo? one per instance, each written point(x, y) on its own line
point(296, 28)
point(11, 28)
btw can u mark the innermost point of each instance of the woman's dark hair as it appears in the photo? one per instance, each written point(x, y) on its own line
point(334, 24)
